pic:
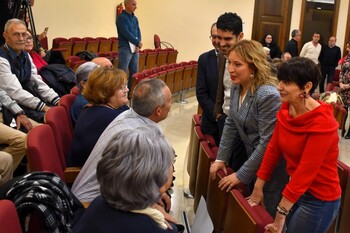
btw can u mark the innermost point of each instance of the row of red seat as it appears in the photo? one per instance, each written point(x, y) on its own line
point(179, 77)
point(73, 45)
point(148, 58)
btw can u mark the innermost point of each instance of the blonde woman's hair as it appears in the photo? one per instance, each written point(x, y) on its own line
point(102, 83)
point(252, 52)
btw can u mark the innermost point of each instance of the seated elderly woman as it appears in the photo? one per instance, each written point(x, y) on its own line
point(106, 93)
point(135, 169)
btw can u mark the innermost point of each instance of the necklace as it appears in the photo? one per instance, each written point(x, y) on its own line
point(111, 106)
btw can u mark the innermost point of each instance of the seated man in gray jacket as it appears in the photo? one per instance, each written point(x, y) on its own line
point(18, 75)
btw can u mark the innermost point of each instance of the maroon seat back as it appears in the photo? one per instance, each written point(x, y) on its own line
point(67, 102)
point(42, 151)
point(206, 156)
point(57, 119)
point(9, 222)
point(242, 218)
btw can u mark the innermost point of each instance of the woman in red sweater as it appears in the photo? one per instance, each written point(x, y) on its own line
point(37, 59)
point(306, 134)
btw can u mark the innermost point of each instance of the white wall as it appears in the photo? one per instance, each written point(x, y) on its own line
point(183, 23)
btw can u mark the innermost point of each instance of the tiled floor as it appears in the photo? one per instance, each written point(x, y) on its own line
point(177, 128)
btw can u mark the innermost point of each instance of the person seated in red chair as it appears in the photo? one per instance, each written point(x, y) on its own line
point(140, 160)
point(37, 58)
point(82, 76)
point(106, 93)
point(18, 75)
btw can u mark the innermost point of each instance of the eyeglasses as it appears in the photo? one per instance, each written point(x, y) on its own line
point(124, 87)
point(29, 38)
point(213, 37)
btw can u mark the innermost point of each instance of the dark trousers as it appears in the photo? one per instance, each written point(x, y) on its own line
point(327, 72)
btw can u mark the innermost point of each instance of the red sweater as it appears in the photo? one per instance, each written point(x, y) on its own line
point(37, 60)
point(309, 144)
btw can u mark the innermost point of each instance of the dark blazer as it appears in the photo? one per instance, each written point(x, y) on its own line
point(207, 83)
point(220, 91)
point(292, 48)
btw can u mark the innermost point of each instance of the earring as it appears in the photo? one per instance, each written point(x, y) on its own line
point(305, 96)
point(251, 75)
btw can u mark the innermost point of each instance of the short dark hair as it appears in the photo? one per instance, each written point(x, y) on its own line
point(230, 22)
point(300, 70)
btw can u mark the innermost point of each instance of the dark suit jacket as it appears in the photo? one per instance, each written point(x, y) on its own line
point(207, 83)
point(292, 48)
point(220, 91)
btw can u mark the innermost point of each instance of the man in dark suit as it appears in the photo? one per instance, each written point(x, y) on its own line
point(230, 31)
point(292, 45)
point(207, 83)
point(329, 58)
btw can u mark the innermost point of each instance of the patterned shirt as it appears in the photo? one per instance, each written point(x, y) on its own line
point(344, 78)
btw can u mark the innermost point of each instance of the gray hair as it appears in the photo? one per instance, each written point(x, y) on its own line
point(147, 96)
point(133, 168)
point(295, 32)
point(83, 71)
point(13, 21)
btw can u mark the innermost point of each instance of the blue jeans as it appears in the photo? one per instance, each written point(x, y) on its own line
point(311, 215)
point(128, 60)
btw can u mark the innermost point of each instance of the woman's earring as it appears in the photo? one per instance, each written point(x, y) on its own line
point(305, 96)
point(251, 75)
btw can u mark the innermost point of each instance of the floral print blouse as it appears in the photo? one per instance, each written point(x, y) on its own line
point(345, 79)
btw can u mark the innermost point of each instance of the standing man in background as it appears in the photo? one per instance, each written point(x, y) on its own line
point(312, 49)
point(129, 36)
point(207, 84)
point(292, 45)
point(329, 57)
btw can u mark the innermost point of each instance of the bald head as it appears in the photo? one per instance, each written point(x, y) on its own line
point(102, 61)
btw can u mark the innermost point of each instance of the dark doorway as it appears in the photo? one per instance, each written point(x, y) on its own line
point(319, 16)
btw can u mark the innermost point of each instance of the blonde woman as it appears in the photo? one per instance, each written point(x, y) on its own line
point(254, 103)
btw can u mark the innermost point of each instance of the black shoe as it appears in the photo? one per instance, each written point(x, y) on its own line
point(180, 228)
point(347, 137)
